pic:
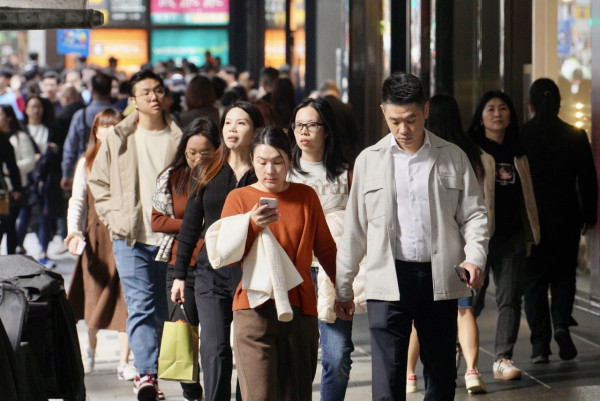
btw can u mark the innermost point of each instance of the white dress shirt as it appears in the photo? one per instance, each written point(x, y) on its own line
point(413, 238)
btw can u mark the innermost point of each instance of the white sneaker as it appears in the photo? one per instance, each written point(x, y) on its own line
point(474, 383)
point(411, 384)
point(89, 360)
point(126, 372)
point(505, 370)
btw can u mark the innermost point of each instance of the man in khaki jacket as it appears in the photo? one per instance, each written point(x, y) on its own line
point(123, 181)
point(415, 210)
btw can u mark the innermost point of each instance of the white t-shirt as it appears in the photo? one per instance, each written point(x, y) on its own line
point(332, 194)
point(154, 153)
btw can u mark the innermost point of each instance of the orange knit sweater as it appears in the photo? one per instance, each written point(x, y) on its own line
point(301, 229)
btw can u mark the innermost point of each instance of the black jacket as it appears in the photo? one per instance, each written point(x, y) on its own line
point(563, 174)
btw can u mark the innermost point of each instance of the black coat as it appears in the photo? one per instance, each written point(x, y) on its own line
point(563, 174)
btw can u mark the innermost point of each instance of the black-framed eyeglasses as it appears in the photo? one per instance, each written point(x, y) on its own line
point(159, 92)
point(312, 127)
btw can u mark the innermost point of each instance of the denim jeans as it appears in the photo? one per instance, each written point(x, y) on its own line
point(506, 259)
point(143, 280)
point(336, 347)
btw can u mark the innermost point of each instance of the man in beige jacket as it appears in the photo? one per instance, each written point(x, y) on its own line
point(415, 209)
point(123, 181)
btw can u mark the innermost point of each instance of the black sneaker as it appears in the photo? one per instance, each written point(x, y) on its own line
point(567, 350)
point(538, 359)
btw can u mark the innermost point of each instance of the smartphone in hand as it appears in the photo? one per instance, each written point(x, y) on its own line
point(463, 274)
point(271, 203)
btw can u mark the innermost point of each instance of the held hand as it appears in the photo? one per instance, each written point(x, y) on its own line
point(178, 291)
point(73, 245)
point(476, 275)
point(344, 310)
point(66, 184)
point(262, 216)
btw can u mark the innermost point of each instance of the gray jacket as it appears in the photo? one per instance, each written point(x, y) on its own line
point(459, 224)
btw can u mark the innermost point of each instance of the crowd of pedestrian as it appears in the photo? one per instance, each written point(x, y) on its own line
point(264, 215)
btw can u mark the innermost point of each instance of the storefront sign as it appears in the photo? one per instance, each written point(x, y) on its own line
point(122, 13)
point(73, 41)
point(177, 44)
point(128, 46)
point(189, 12)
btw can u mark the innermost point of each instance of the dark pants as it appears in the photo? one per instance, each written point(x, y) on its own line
point(551, 266)
point(506, 260)
point(215, 315)
point(191, 391)
point(390, 325)
point(8, 225)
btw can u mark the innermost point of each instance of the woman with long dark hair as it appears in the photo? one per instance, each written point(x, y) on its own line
point(318, 161)
point(218, 174)
point(566, 190)
point(19, 149)
point(44, 181)
point(95, 292)
point(513, 216)
point(200, 139)
point(199, 99)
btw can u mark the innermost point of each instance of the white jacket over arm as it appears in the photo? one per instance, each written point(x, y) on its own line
point(77, 212)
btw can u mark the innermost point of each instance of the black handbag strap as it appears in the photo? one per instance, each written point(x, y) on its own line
point(179, 305)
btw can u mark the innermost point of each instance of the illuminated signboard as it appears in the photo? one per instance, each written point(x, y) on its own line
point(73, 41)
point(177, 44)
point(121, 13)
point(129, 46)
point(189, 12)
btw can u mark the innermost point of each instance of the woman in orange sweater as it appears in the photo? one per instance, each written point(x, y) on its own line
point(201, 137)
point(277, 360)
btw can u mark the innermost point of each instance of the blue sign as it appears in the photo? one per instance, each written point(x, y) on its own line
point(73, 41)
point(564, 37)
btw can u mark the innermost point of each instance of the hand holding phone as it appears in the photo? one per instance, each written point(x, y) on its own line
point(271, 203)
point(463, 274)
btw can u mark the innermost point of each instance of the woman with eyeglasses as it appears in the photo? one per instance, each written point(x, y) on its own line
point(216, 175)
point(318, 161)
point(200, 138)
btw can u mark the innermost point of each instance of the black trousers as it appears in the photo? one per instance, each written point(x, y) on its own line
point(390, 326)
point(191, 391)
point(551, 266)
point(216, 357)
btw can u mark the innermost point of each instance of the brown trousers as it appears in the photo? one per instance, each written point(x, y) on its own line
point(276, 361)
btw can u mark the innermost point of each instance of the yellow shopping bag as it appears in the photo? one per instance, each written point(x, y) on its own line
point(178, 358)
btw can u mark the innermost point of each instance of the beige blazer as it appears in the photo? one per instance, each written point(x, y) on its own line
point(459, 224)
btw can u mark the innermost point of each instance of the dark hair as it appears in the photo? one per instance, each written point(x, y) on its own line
point(269, 75)
point(101, 84)
point(181, 169)
point(140, 76)
point(199, 92)
point(476, 130)
point(106, 117)
point(283, 99)
point(52, 75)
point(13, 124)
point(402, 89)
point(219, 86)
point(544, 97)
point(272, 136)
point(47, 113)
point(444, 121)
point(208, 168)
point(231, 69)
point(333, 158)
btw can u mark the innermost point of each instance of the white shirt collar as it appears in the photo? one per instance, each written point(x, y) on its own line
point(395, 148)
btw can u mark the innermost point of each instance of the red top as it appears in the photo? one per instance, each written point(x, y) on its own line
point(300, 230)
point(165, 224)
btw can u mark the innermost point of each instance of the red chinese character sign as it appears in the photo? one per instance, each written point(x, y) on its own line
point(189, 12)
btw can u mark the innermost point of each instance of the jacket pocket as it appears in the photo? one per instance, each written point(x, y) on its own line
point(451, 187)
point(451, 182)
point(374, 198)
